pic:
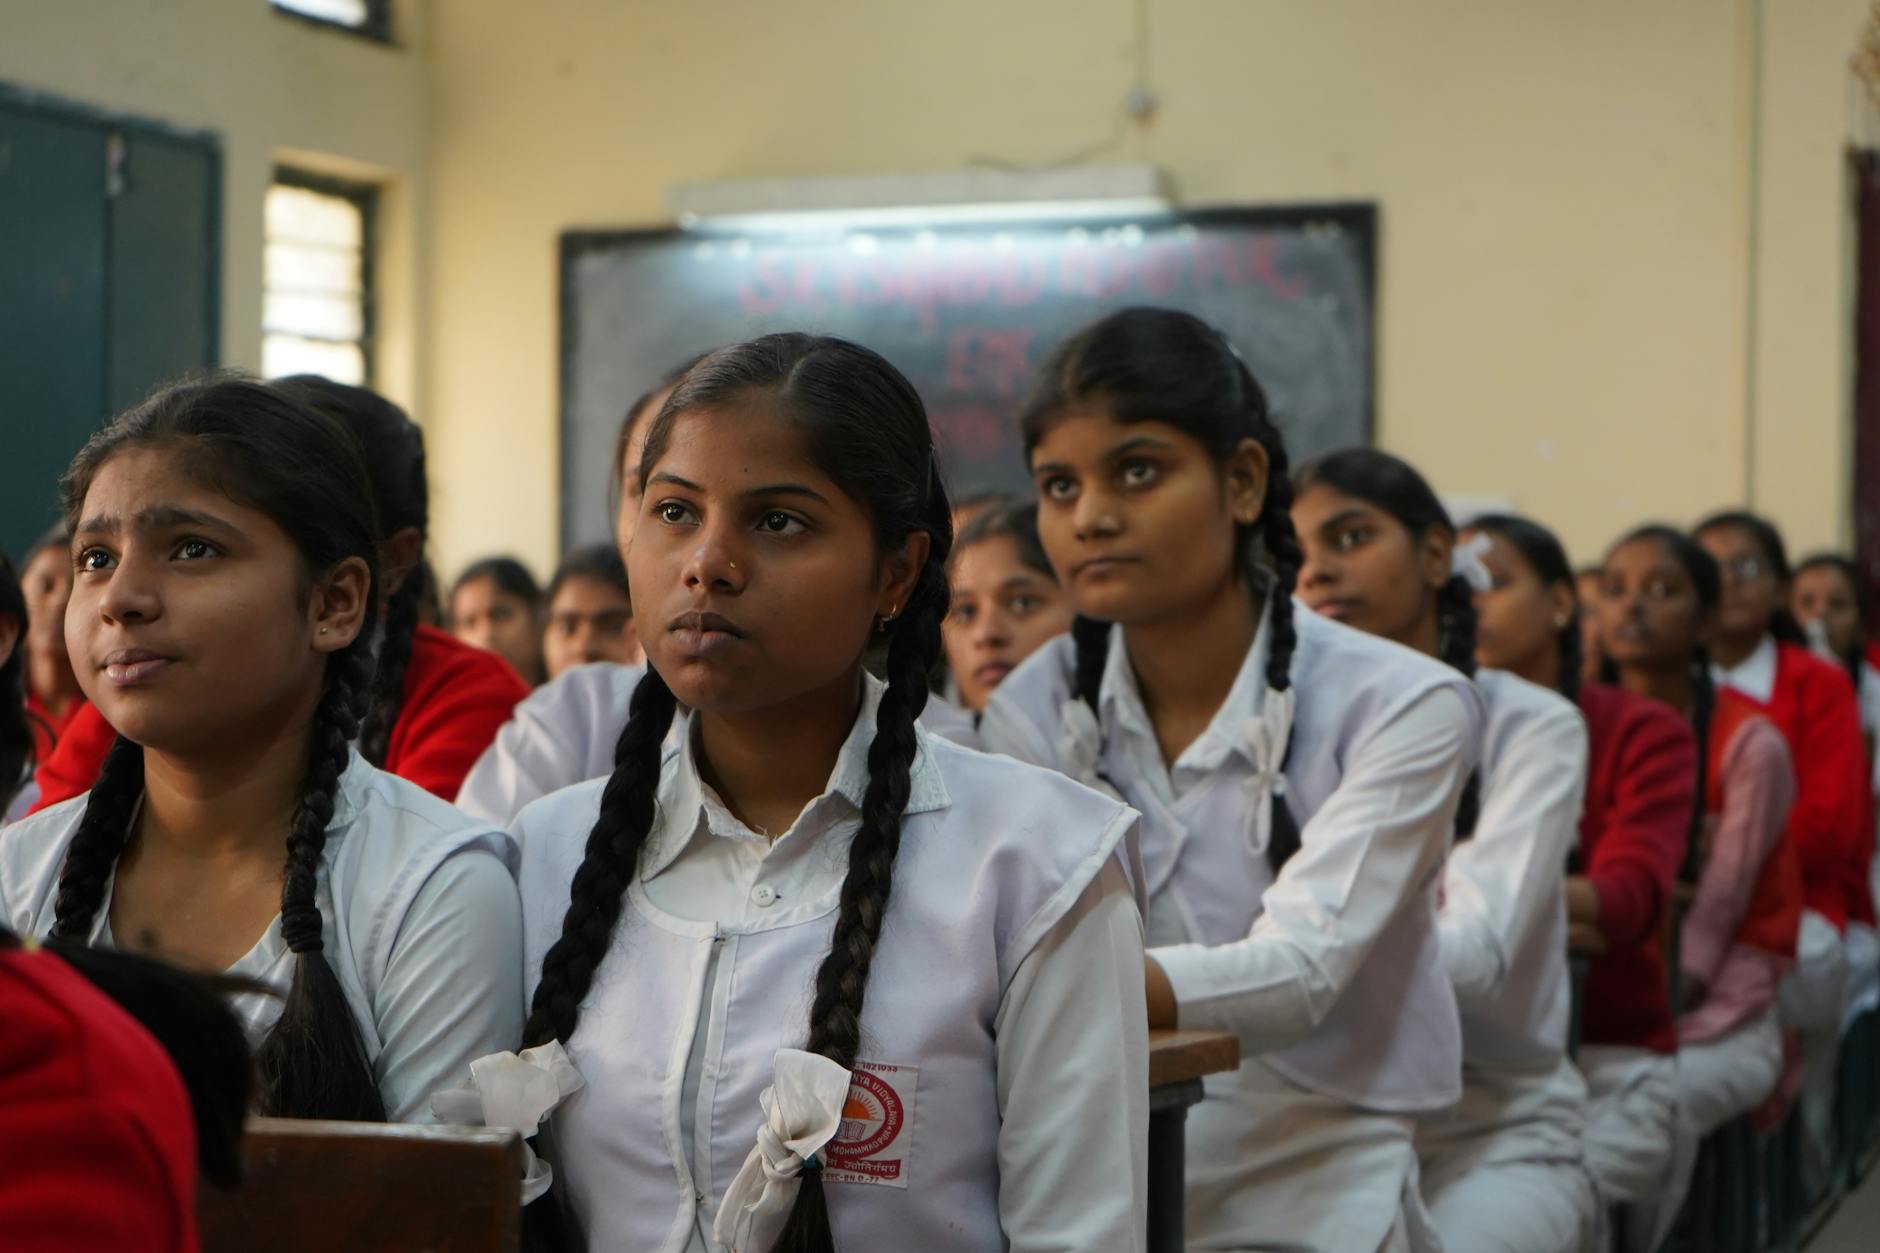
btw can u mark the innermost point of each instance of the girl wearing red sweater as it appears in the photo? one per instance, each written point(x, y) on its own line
point(1761, 653)
point(1640, 792)
point(436, 702)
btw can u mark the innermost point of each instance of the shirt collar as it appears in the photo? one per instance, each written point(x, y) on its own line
point(1755, 675)
point(1120, 699)
point(687, 808)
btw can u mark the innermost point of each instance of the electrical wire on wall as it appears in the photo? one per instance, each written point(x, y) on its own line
point(1137, 106)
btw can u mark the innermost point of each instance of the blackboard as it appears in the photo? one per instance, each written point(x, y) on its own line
point(968, 312)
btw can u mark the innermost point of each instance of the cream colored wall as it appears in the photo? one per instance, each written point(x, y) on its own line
point(273, 88)
point(1565, 258)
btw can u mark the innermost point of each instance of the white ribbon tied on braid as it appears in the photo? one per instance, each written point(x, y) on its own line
point(802, 1113)
point(1465, 562)
point(1266, 738)
point(516, 1092)
point(1080, 746)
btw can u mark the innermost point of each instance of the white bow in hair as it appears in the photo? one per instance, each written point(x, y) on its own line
point(1266, 738)
point(802, 1112)
point(1466, 560)
point(517, 1092)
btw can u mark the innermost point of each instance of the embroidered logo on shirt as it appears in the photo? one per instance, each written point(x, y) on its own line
point(871, 1145)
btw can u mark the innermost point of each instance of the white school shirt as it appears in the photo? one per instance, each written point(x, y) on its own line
point(1754, 676)
point(1503, 923)
point(1332, 973)
point(564, 733)
point(1004, 1012)
point(421, 923)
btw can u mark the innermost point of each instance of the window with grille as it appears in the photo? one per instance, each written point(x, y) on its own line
point(371, 18)
point(317, 305)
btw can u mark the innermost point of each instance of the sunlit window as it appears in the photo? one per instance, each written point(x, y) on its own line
point(316, 313)
point(367, 17)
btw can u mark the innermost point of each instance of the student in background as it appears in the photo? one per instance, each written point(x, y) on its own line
point(1641, 793)
point(52, 692)
point(588, 613)
point(1760, 651)
point(496, 605)
point(1006, 599)
point(1298, 782)
point(16, 722)
point(1658, 607)
point(1004, 1106)
point(433, 704)
point(227, 581)
point(1591, 658)
point(1503, 1170)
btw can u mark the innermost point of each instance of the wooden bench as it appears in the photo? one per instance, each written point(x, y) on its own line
point(1177, 1062)
point(320, 1187)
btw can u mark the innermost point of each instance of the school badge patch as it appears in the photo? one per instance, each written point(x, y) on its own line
point(872, 1144)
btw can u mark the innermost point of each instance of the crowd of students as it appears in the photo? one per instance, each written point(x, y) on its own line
point(822, 894)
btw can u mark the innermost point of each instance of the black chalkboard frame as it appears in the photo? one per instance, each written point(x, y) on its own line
point(1357, 219)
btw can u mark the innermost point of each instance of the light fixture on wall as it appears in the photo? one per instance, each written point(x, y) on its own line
point(820, 205)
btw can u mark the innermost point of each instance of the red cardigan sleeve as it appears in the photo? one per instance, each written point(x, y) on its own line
point(1633, 865)
point(75, 762)
point(1829, 822)
point(456, 698)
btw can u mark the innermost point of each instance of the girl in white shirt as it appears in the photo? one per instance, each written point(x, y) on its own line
point(1297, 779)
point(1502, 1170)
point(825, 979)
point(226, 584)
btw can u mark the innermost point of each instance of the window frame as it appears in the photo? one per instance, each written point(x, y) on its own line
point(377, 25)
point(364, 197)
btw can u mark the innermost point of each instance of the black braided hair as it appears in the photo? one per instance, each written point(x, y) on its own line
point(1394, 486)
point(1545, 555)
point(393, 446)
point(866, 428)
point(1145, 364)
point(258, 445)
point(16, 727)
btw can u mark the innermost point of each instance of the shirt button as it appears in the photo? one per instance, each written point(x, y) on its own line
point(764, 895)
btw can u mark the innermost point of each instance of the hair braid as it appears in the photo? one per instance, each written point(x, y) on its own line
point(835, 1014)
point(598, 890)
point(1703, 707)
point(101, 836)
point(1282, 550)
point(313, 1063)
point(1572, 658)
point(1455, 614)
point(387, 691)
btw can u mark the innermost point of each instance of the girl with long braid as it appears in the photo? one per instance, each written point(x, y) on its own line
point(225, 550)
point(1298, 782)
point(1503, 1169)
point(827, 981)
point(1657, 607)
point(433, 703)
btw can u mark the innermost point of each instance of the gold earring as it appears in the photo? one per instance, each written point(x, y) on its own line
point(324, 630)
point(882, 626)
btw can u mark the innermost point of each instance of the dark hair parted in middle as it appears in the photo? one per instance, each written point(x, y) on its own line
point(1161, 365)
point(865, 427)
point(257, 445)
point(600, 562)
point(1016, 520)
point(1542, 550)
point(1393, 485)
point(393, 448)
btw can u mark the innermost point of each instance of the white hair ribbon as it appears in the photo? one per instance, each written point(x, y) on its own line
point(516, 1091)
point(802, 1113)
point(1465, 561)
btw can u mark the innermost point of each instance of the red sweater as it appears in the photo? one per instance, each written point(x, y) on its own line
point(97, 1142)
point(48, 730)
point(1831, 825)
point(456, 697)
point(1641, 796)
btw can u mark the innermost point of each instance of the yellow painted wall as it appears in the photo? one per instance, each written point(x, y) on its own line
point(274, 88)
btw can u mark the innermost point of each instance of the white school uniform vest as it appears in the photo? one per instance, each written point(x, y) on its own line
point(1526, 1027)
point(1392, 1041)
point(993, 853)
point(387, 837)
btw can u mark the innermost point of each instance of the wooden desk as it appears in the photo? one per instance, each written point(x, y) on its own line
point(327, 1186)
point(1177, 1061)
